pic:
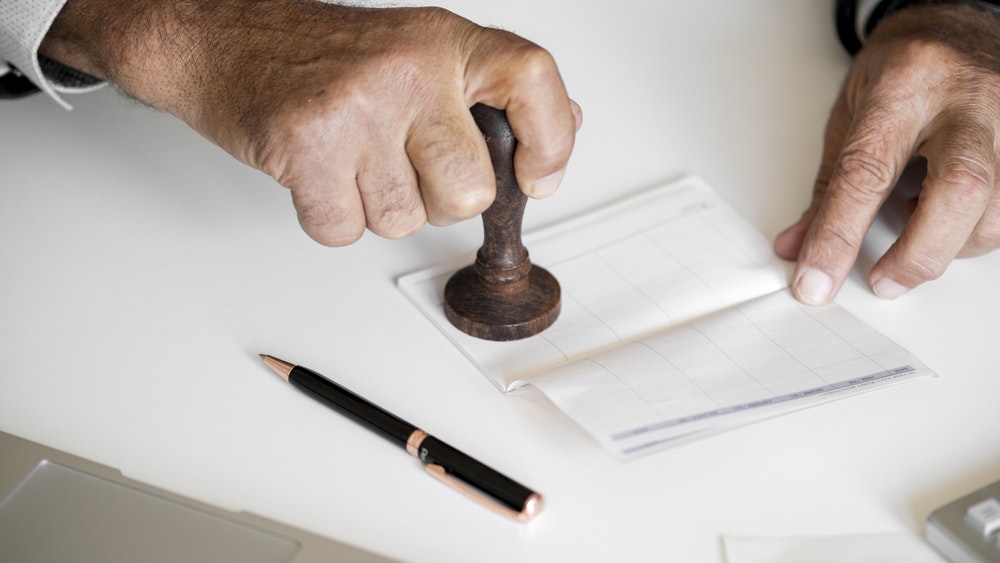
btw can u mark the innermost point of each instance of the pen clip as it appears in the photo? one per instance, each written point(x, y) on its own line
point(532, 506)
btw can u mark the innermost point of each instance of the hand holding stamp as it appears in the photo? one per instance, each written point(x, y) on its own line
point(502, 296)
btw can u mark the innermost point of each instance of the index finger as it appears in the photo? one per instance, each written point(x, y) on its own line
point(875, 151)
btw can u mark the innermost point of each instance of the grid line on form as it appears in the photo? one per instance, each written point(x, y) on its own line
point(555, 346)
point(708, 396)
point(746, 356)
point(545, 335)
point(785, 350)
point(725, 234)
point(664, 252)
point(639, 290)
point(685, 265)
point(662, 266)
point(837, 334)
point(585, 249)
point(626, 385)
point(722, 350)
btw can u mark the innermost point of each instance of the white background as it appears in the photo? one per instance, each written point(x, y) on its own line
point(144, 269)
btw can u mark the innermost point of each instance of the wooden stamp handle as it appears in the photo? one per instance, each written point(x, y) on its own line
point(502, 258)
point(502, 296)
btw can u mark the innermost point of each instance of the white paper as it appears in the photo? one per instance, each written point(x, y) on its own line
point(754, 360)
point(676, 322)
point(654, 260)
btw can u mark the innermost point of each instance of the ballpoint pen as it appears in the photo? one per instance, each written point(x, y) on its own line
point(449, 465)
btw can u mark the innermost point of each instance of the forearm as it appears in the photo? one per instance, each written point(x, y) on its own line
point(202, 60)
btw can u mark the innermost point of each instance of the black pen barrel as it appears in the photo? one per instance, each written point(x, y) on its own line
point(391, 427)
point(490, 481)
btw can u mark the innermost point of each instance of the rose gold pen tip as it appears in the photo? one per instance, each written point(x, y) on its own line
point(280, 367)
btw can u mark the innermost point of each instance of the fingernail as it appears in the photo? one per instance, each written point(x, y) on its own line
point(545, 186)
point(813, 287)
point(888, 289)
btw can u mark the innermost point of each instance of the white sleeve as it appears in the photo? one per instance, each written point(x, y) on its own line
point(23, 25)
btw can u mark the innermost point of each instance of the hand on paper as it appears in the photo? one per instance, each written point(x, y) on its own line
point(926, 84)
point(362, 113)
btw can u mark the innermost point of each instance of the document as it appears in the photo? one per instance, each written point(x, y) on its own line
point(676, 322)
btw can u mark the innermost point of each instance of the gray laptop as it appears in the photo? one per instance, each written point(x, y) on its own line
point(56, 507)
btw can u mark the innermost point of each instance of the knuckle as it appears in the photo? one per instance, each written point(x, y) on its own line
point(535, 63)
point(921, 53)
point(442, 145)
point(517, 61)
point(925, 267)
point(918, 263)
point(397, 210)
point(399, 230)
point(464, 204)
point(336, 236)
point(330, 225)
point(294, 142)
point(836, 240)
point(864, 173)
point(967, 179)
point(436, 13)
point(926, 59)
point(456, 180)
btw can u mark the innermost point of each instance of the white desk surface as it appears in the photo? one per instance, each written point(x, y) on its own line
point(143, 270)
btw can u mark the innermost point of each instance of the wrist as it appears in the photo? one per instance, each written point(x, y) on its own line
point(140, 45)
point(970, 31)
point(946, 21)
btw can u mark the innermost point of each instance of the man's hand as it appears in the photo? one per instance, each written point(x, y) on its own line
point(926, 84)
point(362, 113)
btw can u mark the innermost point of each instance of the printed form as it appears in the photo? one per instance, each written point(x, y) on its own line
point(676, 322)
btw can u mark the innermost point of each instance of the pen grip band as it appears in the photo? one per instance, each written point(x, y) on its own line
point(503, 489)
